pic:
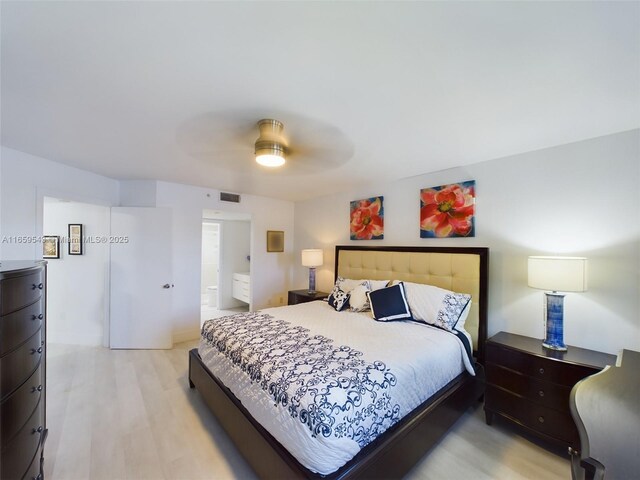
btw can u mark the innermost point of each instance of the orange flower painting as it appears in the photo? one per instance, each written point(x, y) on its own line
point(367, 219)
point(448, 210)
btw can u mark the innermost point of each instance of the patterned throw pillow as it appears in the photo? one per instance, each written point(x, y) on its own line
point(436, 306)
point(339, 299)
point(451, 308)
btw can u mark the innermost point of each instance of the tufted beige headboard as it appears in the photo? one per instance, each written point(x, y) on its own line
point(463, 270)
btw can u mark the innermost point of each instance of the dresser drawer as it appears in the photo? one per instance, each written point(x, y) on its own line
point(18, 455)
point(18, 292)
point(34, 472)
point(18, 365)
point(543, 420)
point(18, 326)
point(538, 391)
point(16, 409)
point(537, 367)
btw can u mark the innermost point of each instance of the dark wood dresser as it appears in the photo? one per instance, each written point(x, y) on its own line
point(303, 296)
point(22, 369)
point(530, 385)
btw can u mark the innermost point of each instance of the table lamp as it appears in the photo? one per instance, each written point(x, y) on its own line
point(312, 258)
point(557, 274)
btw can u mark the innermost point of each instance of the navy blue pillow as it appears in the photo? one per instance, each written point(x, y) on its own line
point(390, 303)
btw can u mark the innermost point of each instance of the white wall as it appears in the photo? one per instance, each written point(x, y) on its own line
point(138, 193)
point(270, 272)
point(26, 180)
point(77, 303)
point(576, 199)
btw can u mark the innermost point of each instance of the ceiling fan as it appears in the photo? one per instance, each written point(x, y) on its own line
point(228, 140)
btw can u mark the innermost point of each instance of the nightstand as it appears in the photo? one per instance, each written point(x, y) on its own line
point(302, 296)
point(530, 385)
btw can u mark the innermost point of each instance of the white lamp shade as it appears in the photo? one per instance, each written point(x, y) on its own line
point(312, 257)
point(560, 274)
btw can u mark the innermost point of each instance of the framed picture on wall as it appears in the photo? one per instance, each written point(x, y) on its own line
point(50, 246)
point(75, 239)
point(366, 219)
point(275, 241)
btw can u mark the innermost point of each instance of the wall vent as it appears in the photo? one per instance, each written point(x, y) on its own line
point(229, 197)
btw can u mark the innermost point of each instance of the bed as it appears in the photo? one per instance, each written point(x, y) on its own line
point(404, 441)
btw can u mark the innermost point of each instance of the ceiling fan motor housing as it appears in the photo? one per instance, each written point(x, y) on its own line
point(270, 141)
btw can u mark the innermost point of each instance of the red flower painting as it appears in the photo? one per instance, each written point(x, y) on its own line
point(448, 210)
point(367, 219)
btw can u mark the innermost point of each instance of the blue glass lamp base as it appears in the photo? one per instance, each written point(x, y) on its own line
point(554, 339)
point(312, 280)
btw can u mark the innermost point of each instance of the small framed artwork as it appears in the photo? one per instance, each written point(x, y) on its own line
point(448, 210)
point(275, 241)
point(75, 239)
point(366, 219)
point(50, 246)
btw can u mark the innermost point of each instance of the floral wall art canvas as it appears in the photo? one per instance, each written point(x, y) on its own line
point(448, 210)
point(367, 219)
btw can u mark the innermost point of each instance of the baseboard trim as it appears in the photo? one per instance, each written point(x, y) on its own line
point(186, 335)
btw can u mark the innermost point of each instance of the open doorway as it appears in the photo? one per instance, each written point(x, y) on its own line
point(226, 247)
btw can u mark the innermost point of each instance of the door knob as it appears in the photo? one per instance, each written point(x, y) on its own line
point(166, 285)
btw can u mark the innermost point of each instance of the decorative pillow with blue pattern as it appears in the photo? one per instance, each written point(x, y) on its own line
point(358, 299)
point(338, 299)
point(438, 307)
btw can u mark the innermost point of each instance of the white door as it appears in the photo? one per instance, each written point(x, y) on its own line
point(140, 278)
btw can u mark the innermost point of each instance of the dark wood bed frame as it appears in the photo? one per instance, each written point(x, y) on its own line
point(394, 452)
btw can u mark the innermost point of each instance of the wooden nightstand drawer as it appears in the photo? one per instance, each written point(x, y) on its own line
point(546, 369)
point(530, 385)
point(538, 391)
point(544, 420)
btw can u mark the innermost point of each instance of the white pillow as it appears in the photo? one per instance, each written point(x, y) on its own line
point(436, 306)
point(347, 284)
point(358, 299)
point(378, 284)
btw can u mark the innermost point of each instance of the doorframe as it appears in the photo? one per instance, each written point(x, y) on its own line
point(42, 192)
point(220, 226)
point(246, 217)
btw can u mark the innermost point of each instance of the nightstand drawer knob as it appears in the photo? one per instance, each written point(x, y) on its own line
point(541, 370)
point(541, 393)
point(541, 419)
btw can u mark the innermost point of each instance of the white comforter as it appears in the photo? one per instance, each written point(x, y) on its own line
point(324, 383)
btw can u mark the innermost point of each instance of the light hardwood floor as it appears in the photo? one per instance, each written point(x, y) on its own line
point(129, 414)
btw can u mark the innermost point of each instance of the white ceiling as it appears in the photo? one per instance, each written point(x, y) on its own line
point(172, 90)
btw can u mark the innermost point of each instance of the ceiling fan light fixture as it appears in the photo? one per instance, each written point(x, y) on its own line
point(270, 154)
point(270, 149)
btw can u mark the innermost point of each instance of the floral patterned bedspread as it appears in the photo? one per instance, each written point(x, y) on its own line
point(327, 387)
point(323, 383)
